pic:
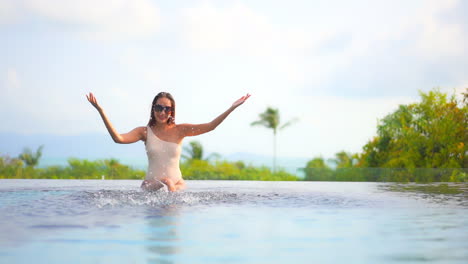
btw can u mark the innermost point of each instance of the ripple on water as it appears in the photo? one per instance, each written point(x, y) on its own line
point(58, 226)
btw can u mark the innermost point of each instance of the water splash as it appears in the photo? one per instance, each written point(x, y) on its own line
point(160, 198)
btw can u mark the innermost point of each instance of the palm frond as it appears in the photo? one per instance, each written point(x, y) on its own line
point(290, 122)
point(31, 159)
point(194, 151)
point(268, 119)
point(259, 122)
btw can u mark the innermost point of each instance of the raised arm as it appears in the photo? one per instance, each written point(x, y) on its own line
point(130, 137)
point(194, 130)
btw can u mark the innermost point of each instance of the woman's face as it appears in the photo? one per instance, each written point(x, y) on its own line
point(162, 110)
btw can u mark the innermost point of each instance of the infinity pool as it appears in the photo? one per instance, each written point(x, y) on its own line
point(91, 221)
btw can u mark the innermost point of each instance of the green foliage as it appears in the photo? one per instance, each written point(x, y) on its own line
point(224, 170)
point(420, 142)
point(429, 134)
point(31, 159)
point(76, 169)
point(421, 175)
point(11, 167)
point(111, 168)
point(317, 170)
point(195, 151)
point(271, 119)
point(345, 160)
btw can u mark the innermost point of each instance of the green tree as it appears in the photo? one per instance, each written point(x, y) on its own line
point(31, 159)
point(271, 119)
point(85, 169)
point(344, 159)
point(345, 169)
point(317, 170)
point(195, 151)
point(429, 134)
point(115, 170)
point(10, 167)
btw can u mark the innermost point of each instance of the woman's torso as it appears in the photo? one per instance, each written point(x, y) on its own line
point(163, 158)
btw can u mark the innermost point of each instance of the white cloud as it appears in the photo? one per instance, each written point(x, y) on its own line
point(396, 50)
point(365, 42)
point(236, 28)
point(438, 37)
point(103, 19)
point(238, 31)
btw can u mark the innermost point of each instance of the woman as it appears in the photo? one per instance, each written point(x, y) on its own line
point(163, 139)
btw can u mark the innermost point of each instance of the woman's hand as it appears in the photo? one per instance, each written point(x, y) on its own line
point(93, 100)
point(241, 100)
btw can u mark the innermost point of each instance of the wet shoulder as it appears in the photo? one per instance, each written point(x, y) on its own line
point(143, 132)
point(183, 129)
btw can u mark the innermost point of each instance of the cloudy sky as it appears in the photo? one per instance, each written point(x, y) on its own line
point(337, 66)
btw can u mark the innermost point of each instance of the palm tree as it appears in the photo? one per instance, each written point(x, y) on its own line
point(271, 119)
point(195, 152)
point(31, 159)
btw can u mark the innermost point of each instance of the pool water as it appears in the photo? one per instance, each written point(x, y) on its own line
point(94, 221)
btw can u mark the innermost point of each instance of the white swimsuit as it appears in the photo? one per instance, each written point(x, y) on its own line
point(163, 158)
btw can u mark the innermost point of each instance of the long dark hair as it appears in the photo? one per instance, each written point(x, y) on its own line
point(171, 120)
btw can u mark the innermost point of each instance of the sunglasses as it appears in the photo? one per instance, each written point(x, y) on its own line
point(160, 108)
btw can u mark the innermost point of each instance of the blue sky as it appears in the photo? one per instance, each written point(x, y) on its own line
point(337, 66)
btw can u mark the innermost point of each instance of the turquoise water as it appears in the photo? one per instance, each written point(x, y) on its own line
point(91, 221)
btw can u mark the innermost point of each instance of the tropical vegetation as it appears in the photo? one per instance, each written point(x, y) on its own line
point(195, 151)
point(31, 159)
point(14, 168)
point(76, 169)
point(420, 142)
point(271, 120)
point(194, 167)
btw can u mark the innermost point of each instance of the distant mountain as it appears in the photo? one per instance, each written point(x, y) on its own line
point(58, 148)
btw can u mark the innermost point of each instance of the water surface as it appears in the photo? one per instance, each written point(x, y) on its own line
point(91, 221)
